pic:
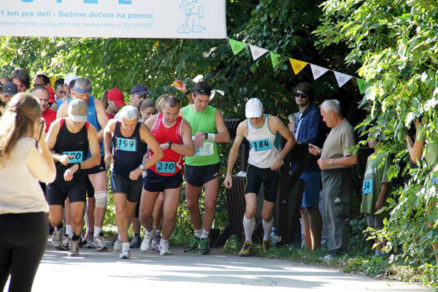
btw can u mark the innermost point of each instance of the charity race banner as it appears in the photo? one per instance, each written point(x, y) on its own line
point(191, 19)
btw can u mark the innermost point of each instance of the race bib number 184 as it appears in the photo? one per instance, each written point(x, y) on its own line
point(261, 145)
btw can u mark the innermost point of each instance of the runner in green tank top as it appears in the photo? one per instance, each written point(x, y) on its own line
point(202, 169)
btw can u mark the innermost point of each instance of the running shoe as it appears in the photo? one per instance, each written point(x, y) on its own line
point(135, 241)
point(246, 249)
point(57, 238)
point(73, 249)
point(204, 246)
point(193, 246)
point(164, 247)
point(267, 245)
point(99, 243)
point(65, 242)
point(89, 240)
point(156, 242)
point(125, 254)
point(117, 245)
point(146, 243)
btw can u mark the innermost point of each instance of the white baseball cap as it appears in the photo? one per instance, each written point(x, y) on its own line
point(69, 78)
point(253, 108)
point(77, 110)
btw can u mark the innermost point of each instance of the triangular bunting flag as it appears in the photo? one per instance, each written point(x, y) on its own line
point(342, 78)
point(236, 46)
point(297, 65)
point(317, 71)
point(275, 58)
point(362, 85)
point(257, 52)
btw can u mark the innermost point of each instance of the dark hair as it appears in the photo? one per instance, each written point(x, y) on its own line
point(72, 84)
point(105, 99)
point(46, 79)
point(59, 82)
point(21, 75)
point(202, 88)
point(40, 88)
point(306, 88)
point(148, 102)
point(21, 114)
point(171, 100)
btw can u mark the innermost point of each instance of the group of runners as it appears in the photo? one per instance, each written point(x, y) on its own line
point(179, 142)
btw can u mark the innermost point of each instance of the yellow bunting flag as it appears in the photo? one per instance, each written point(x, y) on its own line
point(297, 65)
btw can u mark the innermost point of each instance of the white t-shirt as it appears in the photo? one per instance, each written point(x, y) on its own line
point(20, 191)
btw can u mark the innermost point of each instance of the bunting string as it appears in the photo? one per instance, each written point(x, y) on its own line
point(297, 65)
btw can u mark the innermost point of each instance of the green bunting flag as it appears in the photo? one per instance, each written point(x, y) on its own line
point(275, 58)
point(236, 46)
point(362, 85)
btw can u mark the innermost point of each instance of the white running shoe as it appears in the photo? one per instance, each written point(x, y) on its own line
point(146, 243)
point(164, 247)
point(57, 238)
point(99, 243)
point(125, 254)
point(117, 245)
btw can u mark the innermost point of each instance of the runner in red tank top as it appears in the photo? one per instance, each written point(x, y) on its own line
point(172, 162)
point(174, 135)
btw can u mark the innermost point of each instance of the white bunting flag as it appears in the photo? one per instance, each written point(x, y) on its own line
point(342, 78)
point(317, 71)
point(257, 52)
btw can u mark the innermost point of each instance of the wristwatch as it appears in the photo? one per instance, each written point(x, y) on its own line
point(141, 166)
point(170, 144)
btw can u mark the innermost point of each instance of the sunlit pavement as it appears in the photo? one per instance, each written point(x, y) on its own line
point(104, 271)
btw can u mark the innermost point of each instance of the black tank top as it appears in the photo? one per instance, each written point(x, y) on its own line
point(74, 145)
point(128, 152)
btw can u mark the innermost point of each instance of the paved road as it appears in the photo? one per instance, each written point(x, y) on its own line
point(102, 272)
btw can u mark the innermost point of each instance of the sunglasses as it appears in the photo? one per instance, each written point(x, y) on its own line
point(301, 94)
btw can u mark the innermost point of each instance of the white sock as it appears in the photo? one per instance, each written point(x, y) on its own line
point(125, 246)
point(119, 237)
point(163, 241)
point(97, 231)
point(204, 234)
point(248, 226)
point(198, 232)
point(267, 228)
point(69, 230)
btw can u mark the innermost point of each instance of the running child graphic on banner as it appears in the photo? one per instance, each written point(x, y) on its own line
point(194, 12)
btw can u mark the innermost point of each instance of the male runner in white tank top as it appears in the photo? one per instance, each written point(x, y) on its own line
point(265, 158)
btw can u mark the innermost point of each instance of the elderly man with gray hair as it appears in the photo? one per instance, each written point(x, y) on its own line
point(336, 159)
point(130, 139)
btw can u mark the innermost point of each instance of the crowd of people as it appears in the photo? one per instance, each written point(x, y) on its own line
point(66, 139)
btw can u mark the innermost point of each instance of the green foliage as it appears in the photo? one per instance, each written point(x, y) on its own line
point(395, 43)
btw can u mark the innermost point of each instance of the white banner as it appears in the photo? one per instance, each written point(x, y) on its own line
point(342, 78)
point(191, 19)
point(317, 71)
point(257, 52)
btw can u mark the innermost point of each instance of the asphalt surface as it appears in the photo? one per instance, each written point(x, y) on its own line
point(104, 271)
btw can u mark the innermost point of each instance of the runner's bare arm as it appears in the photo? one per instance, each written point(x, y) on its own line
point(93, 144)
point(107, 136)
point(62, 111)
point(222, 136)
point(51, 138)
point(187, 148)
point(278, 126)
point(147, 137)
point(102, 118)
